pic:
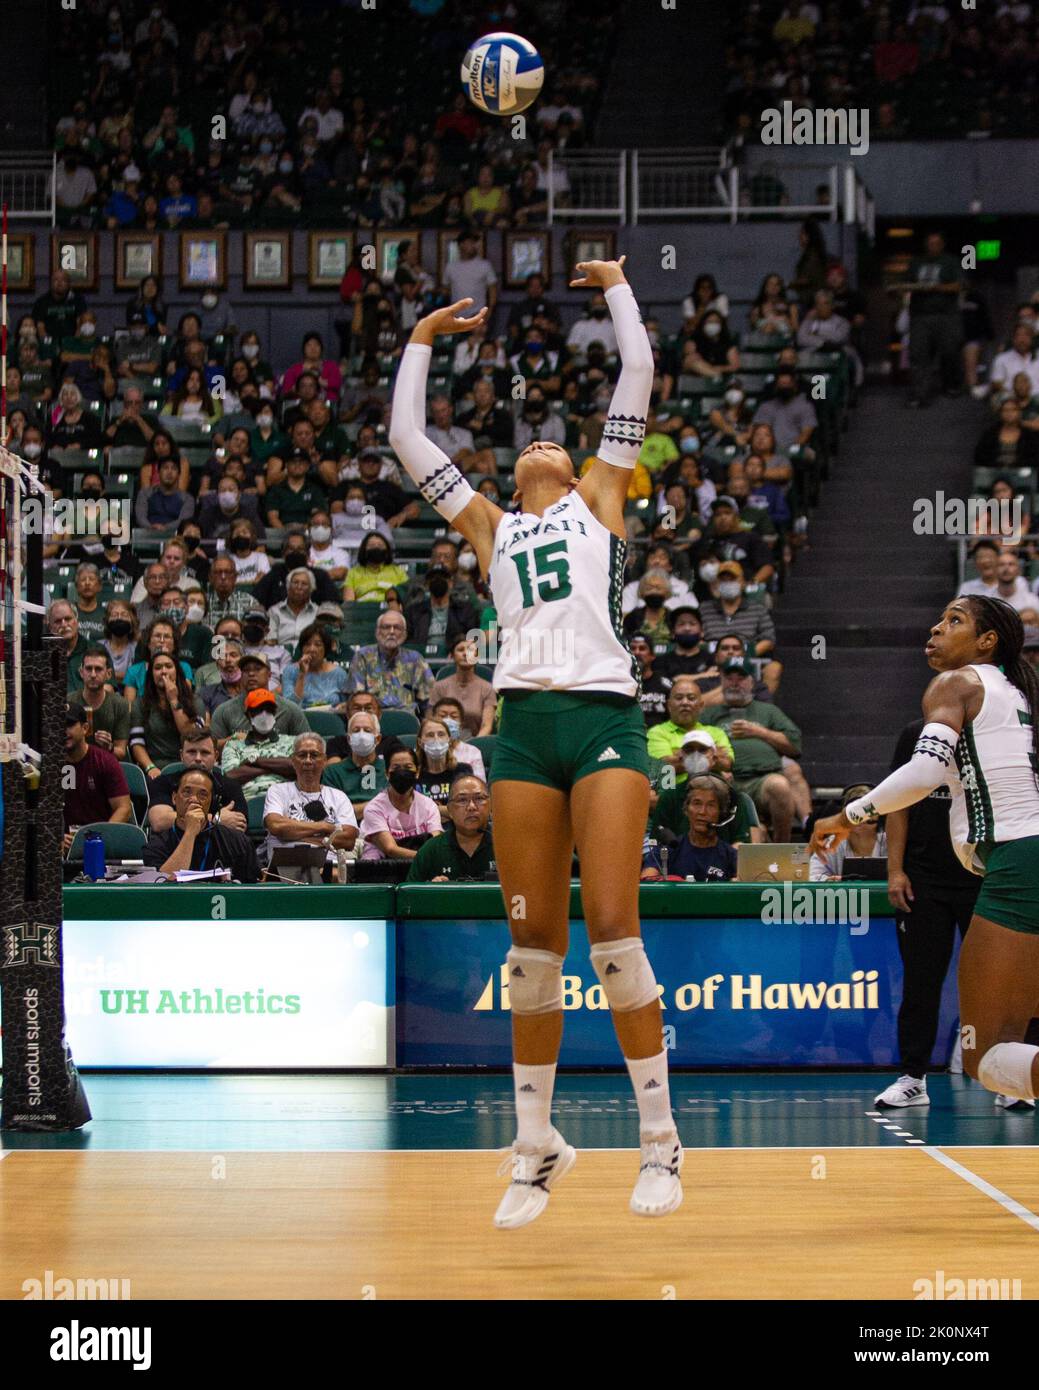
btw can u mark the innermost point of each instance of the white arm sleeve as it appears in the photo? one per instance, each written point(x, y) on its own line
point(626, 423)
point(439, 481)
point(928, 768)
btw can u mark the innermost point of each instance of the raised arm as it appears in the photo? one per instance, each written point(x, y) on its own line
point(438, 479)
point(605, 486)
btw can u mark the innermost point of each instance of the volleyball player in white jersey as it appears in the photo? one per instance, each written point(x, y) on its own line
point(570, 765)
point(982, 737)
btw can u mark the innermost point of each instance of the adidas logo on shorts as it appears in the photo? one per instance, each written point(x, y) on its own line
point(606, 754)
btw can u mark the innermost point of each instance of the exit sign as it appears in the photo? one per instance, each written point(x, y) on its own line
point(989, 250)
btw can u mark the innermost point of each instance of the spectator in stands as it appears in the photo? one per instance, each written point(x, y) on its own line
point(1011, 587)
point(471, 276)
point(135, 428)
point(653, 688)
point(732, 647)
point(63, 623)
point(725, 539)
point(227, 657)
point(464, 851)
point(684, 707)
point(810, 272)
point(535, 422)
point(700, 854)
point(360, 774)
point(327, 554)
point(97, 790)
point(257, 753)
point(822, 328)
point(107, 714)
point(399, 820)
point(935, 326)
point(727, 610)
point(488, 421)
point(438, 761)
point(375, 578)
point(385, 496)
point(651, 597)
point(537, 364)
point(476, 697)
point(731, 421)
point(290, 812)
point(232, 717)
point(273, 587)
point(138, 354)
point(763, 494)
point(296, 611)
point(710, 350)
point(314, 362)
point(701, 300)
point(457, 443)
point(985, 556)
point(1007, 515)
point(1006, 443)
point(762, 736)
point(89, 612)
point(220, 509)
point(436, 614)
point(1021, 392)
point(486, 204)
point(160, 636)
point(595, 327)
point(57, 312)
point(774, 312)
point(198, 750)
point(297, 497)
point(689, 655)
point(74, 427)
point(366, 401)
point(485, 361)
point(120, 637)
point(192, 400)
point(449, 711)
point(166, 710)
point(316, 681)
point(529, 199)
point(37, 377)
point(399, 677)
point(789, 413)
point(166, 505)
point(195, 840)
point(1020, 357)
point(148, 301)
point(223, 598)
point(174, 567)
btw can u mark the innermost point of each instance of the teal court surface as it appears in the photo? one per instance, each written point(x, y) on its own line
point(353, 1186)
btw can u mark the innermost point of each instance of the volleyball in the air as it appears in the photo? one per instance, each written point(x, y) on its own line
point(502, 74)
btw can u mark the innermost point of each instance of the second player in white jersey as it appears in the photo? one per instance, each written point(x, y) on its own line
point(557, 581)
point(994, 792)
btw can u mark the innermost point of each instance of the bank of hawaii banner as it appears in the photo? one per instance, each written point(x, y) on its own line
point(736, 993)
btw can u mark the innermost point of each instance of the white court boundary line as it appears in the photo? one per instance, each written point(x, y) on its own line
point(1010, 1204)
point(464, 1149)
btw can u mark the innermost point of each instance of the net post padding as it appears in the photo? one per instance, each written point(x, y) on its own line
point(41, 1087)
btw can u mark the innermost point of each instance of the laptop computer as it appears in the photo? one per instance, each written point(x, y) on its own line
point(772, 863)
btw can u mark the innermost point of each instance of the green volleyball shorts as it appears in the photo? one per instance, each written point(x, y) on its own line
point(1010, 889)
point(556, 738)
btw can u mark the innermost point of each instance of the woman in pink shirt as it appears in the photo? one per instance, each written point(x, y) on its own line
point(399, 812)
point(327, 372)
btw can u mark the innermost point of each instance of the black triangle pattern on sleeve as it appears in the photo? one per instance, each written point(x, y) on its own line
point(441, 483)
point(625, 429)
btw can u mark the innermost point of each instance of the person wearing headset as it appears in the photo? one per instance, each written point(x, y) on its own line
point(195, 840)
point(701, 854)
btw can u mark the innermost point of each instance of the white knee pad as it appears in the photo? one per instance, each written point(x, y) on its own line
point(625, 973)
point(1007, 1068)
point(535, 980)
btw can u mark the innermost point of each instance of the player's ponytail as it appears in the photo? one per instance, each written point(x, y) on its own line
point(993, 615)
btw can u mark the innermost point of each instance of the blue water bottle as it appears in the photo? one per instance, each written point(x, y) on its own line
point(94, 856)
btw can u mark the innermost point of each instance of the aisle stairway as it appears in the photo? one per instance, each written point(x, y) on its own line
point(871, 587)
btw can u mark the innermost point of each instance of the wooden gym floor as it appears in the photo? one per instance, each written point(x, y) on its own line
point(310, 1187)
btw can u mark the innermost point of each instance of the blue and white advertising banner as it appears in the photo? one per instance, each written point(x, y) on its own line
point(250, 993)
point(736, 993)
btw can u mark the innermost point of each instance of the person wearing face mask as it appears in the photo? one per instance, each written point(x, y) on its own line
point(650, 615)
point(595, 327)
point(166, 505)
point(361, 773)
point(196, 565)
point(120, 638)
point(256, 756)
point(251, 564)
point(399, 820)
point(194, 635)
point(326, 554)
point(537, 365)
point(138, 354)
point(728, 611)
point(710, 350)
point(790, 414)
point(701, 854)
point(689, 656)
point(438, 617)
point(437, 761)
point(266, 439)
point(385, 497)
point(228, 504)
point(762, 736)
point(730, 421)
point(232, 718)
point(375, 578)
point(699, 755)
point(476, 697)
point(658, 556)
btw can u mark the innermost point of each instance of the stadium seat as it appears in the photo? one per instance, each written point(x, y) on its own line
point(128, 458)
point(138, 784)
point(254, 806)
point(122, 841)
point(486, 743)
point(449, 668)
point(397, 722)
point(325, 722)
point(173, 769)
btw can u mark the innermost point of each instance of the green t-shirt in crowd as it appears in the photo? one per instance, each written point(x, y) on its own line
point(111, 716)
point(296, 507)
point(753, 757)
point(196, 645)
point(935, 270)
point(91, 625)
point(358, 783)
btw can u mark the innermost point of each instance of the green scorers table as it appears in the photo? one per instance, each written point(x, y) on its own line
point(220, 976)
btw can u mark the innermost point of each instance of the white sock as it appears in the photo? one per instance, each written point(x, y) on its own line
point(533, 1087)
point(649, 1078)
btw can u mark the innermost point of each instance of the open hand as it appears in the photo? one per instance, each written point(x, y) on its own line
point(449, 320)
point(599, 274)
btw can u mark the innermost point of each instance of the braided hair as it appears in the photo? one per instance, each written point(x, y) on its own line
point(993, 615)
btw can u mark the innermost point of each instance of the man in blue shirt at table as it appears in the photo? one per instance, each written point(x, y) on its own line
point(700, 854)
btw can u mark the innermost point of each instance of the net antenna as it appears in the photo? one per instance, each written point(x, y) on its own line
point(18, 479)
